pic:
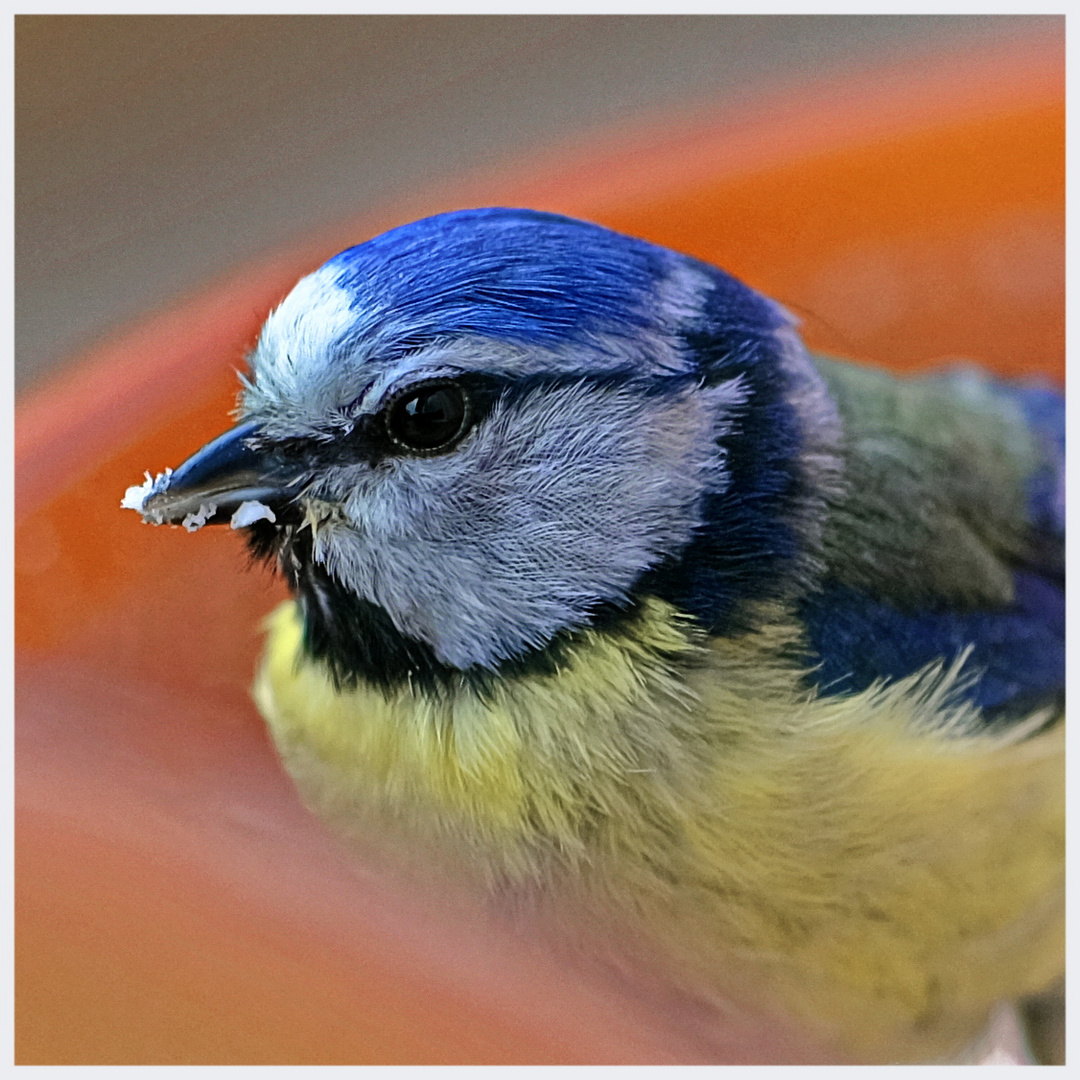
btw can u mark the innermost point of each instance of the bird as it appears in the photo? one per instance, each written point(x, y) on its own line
point(609, 595)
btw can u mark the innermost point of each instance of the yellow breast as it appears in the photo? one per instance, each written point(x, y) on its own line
point(868, 861)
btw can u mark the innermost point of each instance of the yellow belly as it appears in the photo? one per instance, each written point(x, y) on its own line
point(885, 880)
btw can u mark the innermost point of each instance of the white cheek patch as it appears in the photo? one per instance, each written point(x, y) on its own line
point(549, 508)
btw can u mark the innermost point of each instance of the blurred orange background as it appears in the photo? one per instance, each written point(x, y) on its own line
point(174, 903)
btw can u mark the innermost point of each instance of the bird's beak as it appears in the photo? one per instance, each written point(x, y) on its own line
point(211, 486)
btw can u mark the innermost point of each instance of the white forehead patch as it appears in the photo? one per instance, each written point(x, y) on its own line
point(312, 362)
point(294, 359)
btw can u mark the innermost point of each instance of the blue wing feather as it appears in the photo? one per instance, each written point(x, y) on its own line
point(1017, 655)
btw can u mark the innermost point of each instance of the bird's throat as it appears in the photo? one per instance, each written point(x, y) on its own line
point(477, 756)
point(358, 644)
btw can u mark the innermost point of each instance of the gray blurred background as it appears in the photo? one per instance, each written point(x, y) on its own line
point(155, 152)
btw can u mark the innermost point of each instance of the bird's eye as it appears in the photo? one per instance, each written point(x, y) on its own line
point(429, 419)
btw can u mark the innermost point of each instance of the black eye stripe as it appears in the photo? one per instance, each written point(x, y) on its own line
point(371, 440)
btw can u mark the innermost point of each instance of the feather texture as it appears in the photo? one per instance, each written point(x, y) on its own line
point(750, 660)
point(779, 849)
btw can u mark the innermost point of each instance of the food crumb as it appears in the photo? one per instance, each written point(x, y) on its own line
point(194, 522)
point(135, 497)
point(247, 513)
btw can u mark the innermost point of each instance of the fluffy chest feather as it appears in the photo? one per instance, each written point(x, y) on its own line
point(802, 851)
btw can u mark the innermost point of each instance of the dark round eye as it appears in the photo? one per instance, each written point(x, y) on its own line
point(429, 419)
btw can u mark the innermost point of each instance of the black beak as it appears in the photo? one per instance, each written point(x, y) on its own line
point(212, 484)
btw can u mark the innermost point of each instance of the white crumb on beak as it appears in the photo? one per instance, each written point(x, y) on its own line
point(247, 513)
point(135, 497)
point(194, 522)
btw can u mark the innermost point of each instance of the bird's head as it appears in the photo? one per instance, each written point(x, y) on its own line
point(489, 429)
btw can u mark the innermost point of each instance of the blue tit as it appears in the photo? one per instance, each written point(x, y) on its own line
point(609, 594)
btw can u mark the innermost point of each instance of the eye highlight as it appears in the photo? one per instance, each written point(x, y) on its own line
point(429, 418)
